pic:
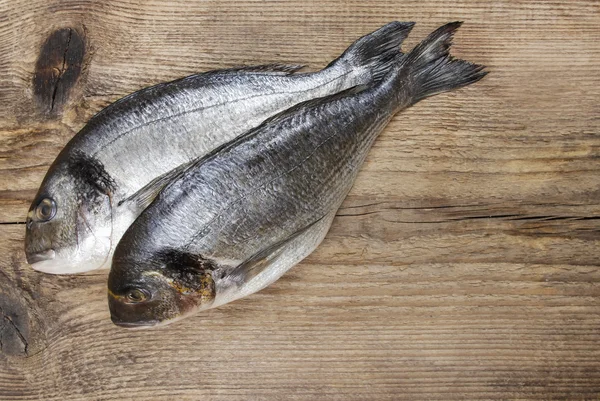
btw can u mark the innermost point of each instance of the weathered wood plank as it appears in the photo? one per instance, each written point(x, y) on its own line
point(463, 265)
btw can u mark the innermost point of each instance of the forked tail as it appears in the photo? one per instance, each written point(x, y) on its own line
point(429, 69)
point(377, 52)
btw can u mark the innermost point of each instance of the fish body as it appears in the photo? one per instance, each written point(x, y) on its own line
point(238, 219)
point(110, 171)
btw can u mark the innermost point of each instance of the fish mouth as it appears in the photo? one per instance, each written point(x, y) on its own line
point(37, 257)
point(134, 325)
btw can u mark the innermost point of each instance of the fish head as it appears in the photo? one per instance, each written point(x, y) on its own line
point(145, 292)
point(69, 224)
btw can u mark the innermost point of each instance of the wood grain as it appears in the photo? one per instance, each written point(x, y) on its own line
point(463, 265)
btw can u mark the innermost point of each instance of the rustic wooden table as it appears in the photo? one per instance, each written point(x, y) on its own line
point(463, 265)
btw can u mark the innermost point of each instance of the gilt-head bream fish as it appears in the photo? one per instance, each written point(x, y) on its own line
point(238, 219)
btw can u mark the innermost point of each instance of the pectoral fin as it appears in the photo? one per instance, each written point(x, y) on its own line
point(264, 258)
point(144, 197)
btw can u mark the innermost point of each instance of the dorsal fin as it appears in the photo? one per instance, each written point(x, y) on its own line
point(309, 103)
point(314, 102)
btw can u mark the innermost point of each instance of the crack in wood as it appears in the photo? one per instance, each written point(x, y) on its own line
point(414, 207)
point(510, 217)
point(61, 71)
point(57, 69)
point(16, 329)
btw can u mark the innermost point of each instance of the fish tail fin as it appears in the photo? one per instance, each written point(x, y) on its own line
point(433, 70)
point(377, 52)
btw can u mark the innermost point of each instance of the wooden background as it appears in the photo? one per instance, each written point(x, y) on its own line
point(463, 265)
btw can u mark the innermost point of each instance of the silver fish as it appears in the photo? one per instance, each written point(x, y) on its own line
point(111, 170)
point(237, 220)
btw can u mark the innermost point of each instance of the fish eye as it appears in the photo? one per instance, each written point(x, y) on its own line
point(45, 210)
point(136, 295)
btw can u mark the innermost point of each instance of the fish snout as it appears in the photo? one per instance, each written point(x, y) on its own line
point(130, 316)
point(133, 325)
point(37, 247)
point(35, 257)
